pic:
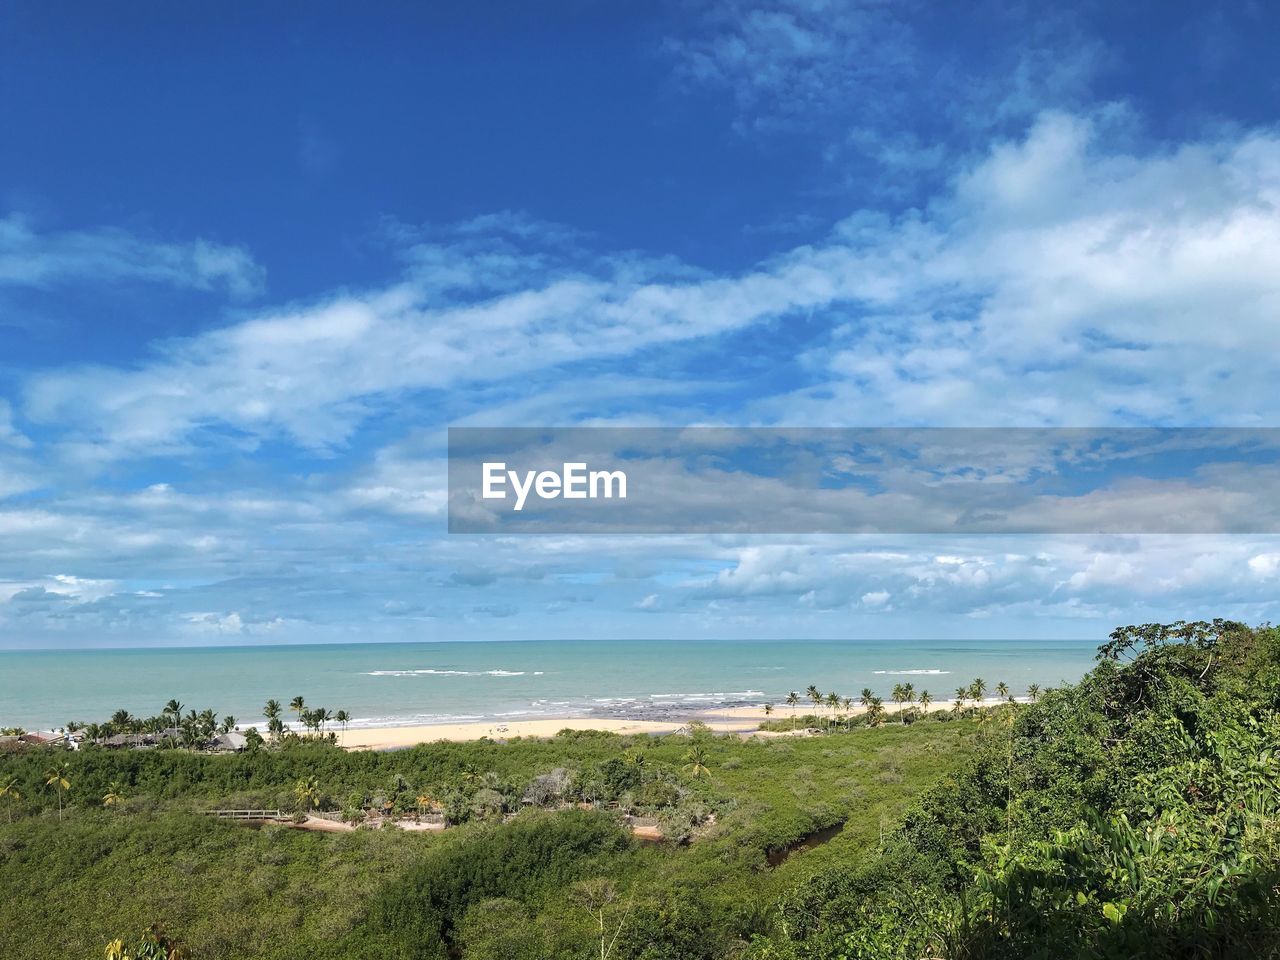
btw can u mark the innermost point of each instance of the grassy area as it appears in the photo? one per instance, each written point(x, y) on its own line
point(233, 891)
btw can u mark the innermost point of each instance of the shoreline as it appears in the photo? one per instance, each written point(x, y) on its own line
point(742, 720)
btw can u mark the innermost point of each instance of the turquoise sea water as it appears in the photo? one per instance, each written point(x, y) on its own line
point(385, 684)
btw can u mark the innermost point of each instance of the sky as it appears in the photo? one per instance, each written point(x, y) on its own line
point(254, 262)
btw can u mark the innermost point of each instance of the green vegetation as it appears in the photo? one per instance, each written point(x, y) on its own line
point(230, 890)
point(172, 729)
point(1136, 813)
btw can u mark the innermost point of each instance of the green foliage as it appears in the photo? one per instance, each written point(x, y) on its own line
point(419, 916)
point(154, 944)
point(232, 891)
point(1135, 814)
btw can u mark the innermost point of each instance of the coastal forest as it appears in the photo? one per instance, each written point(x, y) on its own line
point(1135, 813)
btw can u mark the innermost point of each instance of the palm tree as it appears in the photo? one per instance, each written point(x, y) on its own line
point(297, 705)
point(208, 722)
point(875, 712)
point(1033, 691)
point(768, 710)
point(323, 716)
point(833, 702)
point(976, 690)
point(696, 762)
point(343, 718)
point(1002, 690)
point(174, 709)
point(9, 790)
point(56, 777)
point(899, 696)
point(962, 694)
point(926, 698)
point(866, 697)
point(307, 792)
point(114, 794)
point(793, 698)
point(271, 712)
point(634, 757)
point(228, 723)
point(814, 695)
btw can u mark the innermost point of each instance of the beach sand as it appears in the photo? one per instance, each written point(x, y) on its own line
point(741, 720)
point(388, 738)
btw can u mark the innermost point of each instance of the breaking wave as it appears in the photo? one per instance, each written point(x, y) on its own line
point(452, 673)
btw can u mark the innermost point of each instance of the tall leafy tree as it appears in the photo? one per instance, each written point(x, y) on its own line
point(58, 778)
point(9, 791)
point(814, 695)
point(696, 761)
point(173, 710)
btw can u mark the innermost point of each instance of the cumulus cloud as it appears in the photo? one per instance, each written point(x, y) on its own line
point(1063, 281)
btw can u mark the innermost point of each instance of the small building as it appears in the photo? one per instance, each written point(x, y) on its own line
point(228, 742)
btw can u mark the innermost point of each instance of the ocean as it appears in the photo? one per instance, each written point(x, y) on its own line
point(388, 684)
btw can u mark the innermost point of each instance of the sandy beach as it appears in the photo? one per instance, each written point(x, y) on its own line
point(741, 720)
point(389, 738)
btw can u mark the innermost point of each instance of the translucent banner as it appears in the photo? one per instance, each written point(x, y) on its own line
point(875, 480)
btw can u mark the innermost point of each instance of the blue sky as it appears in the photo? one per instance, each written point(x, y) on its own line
point(253, 262)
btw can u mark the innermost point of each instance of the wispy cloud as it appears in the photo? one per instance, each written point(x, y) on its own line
point(107, 255)
point(1059, 280)
point(1061, 275)
point(880, 91)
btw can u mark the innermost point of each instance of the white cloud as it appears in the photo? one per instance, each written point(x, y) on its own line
point(108, 255)
point(865, 81)
point(9, 433)
point(1060, 279)
point(1058, 282)
point(1063, 282)
point(1265, 565)
point(60, 586)
point(215, 623)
